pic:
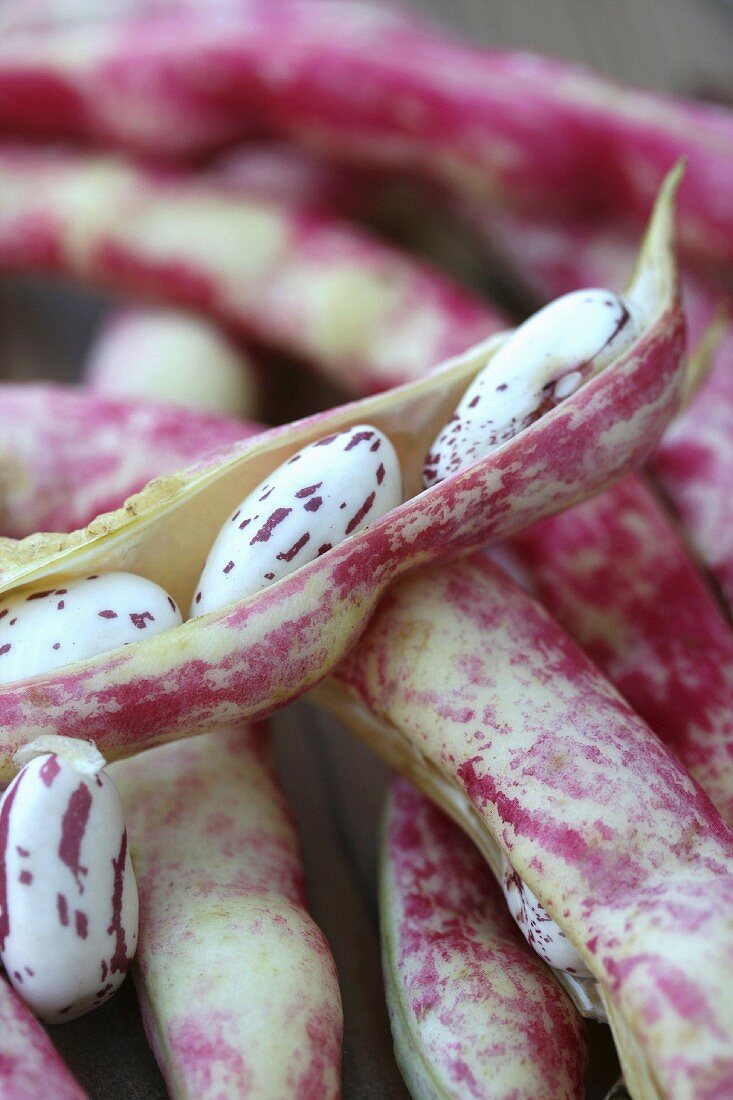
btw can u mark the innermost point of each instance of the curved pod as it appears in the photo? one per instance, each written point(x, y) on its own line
point(237, 986)
point(476, 120)
point(472, 1010)
point(616, 575)
point(467, 686)
point(258, 654)
point(306, 283)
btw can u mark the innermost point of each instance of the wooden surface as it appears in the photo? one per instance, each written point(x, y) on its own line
point(335, 785)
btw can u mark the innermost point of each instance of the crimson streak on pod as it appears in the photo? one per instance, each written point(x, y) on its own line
point(391, 90)
point(466, 685)
point(237, 985)
point(261, 651)
point(473, 1012)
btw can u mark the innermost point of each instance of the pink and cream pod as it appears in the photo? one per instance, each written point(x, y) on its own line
point(173, 357)
point(306, 283)
point(615, 573)
point(524, 131)
point(455, 676)
point(68, 455)
point(260, 652)
point(68, 900)
point(237, 986)
point(694, 461)
point(473, 1012)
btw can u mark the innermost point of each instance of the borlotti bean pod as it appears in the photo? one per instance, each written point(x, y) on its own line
point(67, 454)
point(255, 655)
point(237, 985)
point(468, 687)
point(471, 1007)
point(30, 1065)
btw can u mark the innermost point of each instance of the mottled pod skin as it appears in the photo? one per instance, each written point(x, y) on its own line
point(694, 466)
point(267, 649)
point(45, 628)
point(327, 491)
point(472, 118)
point(29, 1064)
point(173, 357)
point(68, 900)
point(68, 455)
point(467, 685)
point(615, 573)
point(306, 283)
point(237, 985)
point(473, 1012)
point(542, 363)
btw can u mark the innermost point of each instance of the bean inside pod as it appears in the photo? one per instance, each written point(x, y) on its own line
point(219, 666)
point(542, 363)
point(327, 491)
point(537, 926)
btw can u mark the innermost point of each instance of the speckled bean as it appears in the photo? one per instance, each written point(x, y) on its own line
point(68, 899)
point(537, 926)
point(543, 362)
point(325, 492)
point(44, 628)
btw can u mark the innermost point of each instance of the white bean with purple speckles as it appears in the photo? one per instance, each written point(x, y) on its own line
point(68, 898)
point(323, 494)
point(45, 627)
point(537, 926)
point(543, 362)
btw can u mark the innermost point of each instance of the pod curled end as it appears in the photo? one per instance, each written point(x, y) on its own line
point(655, 275)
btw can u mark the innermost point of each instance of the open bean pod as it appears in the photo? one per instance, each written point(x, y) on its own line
point(259, 653)
point(694, 461)
point(468, 687)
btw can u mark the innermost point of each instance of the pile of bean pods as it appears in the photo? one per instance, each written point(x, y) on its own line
point(505, 561)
